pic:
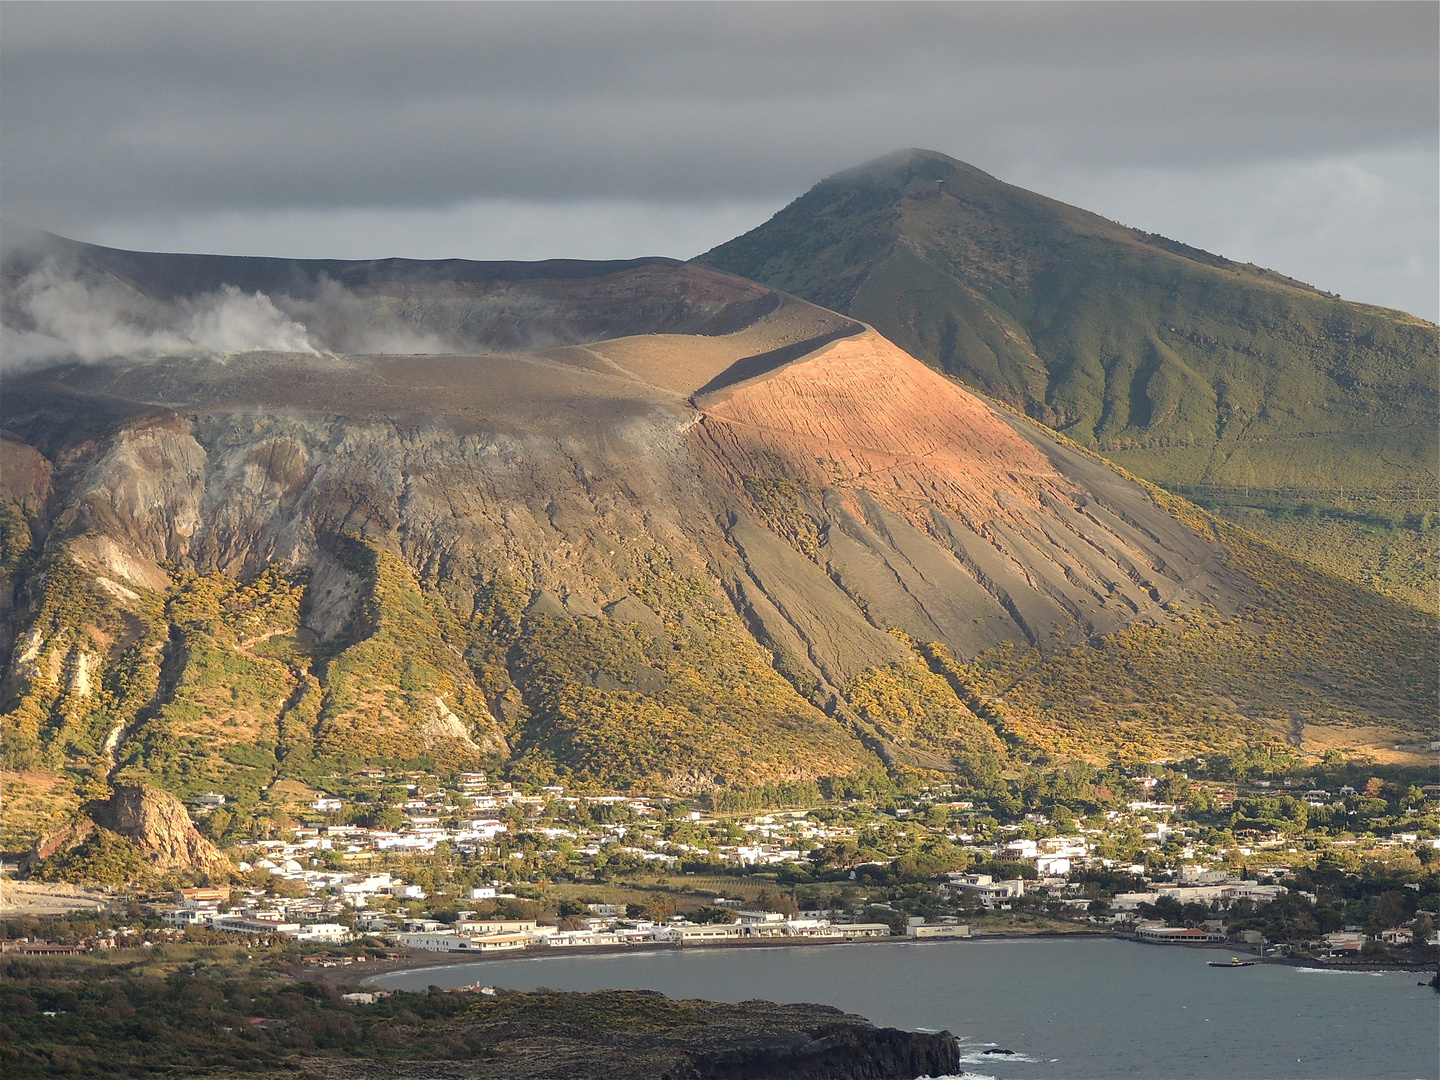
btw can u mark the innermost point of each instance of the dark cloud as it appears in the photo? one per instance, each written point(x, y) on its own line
point(119, 113)
point(117, 107)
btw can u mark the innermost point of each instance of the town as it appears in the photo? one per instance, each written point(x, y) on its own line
point(414, 862)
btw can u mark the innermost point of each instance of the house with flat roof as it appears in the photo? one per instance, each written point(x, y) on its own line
point(922, 929)
point(1178, 935)
point(478, 927)
point(1345, 941)
point(243, 924)
point(444, 941)
point(709, 934)
point(987, 889)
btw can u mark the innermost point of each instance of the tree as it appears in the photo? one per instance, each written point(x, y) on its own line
point(284, 887)
point(215, 823)
point(1167, 908)
point(841, 852)
point(1194, 913)
point(781, 902)
point(1393, 908)
point(709, 914)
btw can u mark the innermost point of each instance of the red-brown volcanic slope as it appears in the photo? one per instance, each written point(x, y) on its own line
point(863, 413)
point(932, 511)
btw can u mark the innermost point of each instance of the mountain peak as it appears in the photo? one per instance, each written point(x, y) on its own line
point(902, 168)
point(1185, 367)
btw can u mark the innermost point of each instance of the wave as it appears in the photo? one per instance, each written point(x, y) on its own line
point(973, 1053)
point(1339, 971)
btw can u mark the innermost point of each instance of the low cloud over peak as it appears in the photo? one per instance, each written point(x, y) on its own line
point(140, 122)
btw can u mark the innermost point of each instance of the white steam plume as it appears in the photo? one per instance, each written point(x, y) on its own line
point(94, 321)
point(62, 316)
point(339, 321)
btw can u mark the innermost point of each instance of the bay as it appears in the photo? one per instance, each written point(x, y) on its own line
point(1077, 1009)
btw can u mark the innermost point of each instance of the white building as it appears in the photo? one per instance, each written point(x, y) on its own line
point(480, 927)
point(569, 939)
point(437, 941)
point(748, 918)
point(187, 916)
point(807, 927)
point(919, 928)
point(1226, 893)
point(987, 889)
point(242, 924)
point(861, 930)
point(360, 893)
point(710, 934)
point(1177, 935)
point(318, 932)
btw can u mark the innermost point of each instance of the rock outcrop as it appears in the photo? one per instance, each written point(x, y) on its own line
point(155, 821)
point(159, 825)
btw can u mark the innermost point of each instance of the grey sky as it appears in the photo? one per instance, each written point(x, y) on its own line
point(1300, 136)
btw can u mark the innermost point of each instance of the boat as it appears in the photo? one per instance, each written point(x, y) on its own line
point(1234, 962)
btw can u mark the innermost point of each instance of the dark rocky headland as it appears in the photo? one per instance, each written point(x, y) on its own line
point(643, 1035)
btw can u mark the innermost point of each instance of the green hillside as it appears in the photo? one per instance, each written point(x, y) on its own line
point(240, 703)
point(1252, 393)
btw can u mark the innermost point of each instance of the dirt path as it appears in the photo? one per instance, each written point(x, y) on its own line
point(38, 898)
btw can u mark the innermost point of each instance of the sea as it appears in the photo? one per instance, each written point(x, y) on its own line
point(1045, 1009)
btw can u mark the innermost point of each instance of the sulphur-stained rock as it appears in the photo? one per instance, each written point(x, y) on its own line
point(159, 825)
point(81, 665)
point(25, 663)
point(99, 552)
point(146, 489)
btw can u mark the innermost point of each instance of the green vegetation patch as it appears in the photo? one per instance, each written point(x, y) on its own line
point(103, 858)
point(618, 1011)
point(140, 1017)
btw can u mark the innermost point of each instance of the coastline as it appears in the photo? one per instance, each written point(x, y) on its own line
point(421, 961)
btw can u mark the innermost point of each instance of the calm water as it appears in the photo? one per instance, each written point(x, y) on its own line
point(1072, 1010)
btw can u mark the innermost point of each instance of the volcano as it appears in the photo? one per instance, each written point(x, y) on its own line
point(638, 523)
